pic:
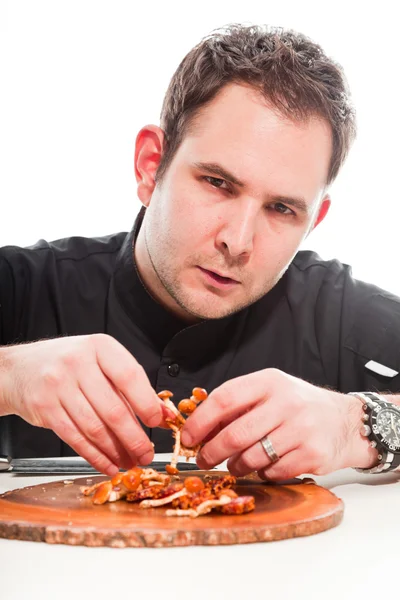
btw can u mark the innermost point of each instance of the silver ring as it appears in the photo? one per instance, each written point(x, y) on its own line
point(269, 449)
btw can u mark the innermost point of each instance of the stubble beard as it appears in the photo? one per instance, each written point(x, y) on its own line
point(170, 282)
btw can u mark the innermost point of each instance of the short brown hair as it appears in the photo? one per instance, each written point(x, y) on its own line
point(291, 71)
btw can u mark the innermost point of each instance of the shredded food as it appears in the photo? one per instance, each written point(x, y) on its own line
point(191, 497)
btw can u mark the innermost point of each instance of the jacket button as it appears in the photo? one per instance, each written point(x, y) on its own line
point(174, 369)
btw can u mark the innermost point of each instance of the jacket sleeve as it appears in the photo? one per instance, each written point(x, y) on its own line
point(370, 338)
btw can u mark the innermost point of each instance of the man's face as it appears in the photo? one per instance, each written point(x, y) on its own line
point(242, 191)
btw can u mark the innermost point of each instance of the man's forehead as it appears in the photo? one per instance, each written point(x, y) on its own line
point(237, 98)
point(260, 143)
point(240, 113)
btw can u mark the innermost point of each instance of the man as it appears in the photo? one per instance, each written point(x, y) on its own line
point(209, 288)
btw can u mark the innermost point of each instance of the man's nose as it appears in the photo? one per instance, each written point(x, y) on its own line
point(239, 228)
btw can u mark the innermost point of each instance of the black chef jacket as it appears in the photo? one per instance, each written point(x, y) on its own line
point(317, 323)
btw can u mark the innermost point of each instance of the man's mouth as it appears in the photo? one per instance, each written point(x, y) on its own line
point(219, 280)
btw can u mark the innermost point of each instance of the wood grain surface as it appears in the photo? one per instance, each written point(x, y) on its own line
point(57, 513)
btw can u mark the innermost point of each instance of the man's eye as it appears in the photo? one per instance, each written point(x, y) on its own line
point(282, 209)
point(216, 182)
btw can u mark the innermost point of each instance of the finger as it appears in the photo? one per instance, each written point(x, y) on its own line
point(213, 433)
point(239, 435)
point(166, 414)
point(223, 424)
point(129, 377)
point(256, 458)
point(289, 466)
point(223, 404)
point(113, 410)
point(62, 424)
point(217, 430)
point(82, 413)
point(145, 458)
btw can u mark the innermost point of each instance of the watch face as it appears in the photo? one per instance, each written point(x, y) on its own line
point(386, 427)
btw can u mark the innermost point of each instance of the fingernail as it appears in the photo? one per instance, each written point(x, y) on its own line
point(112, 470)
point(146, 458)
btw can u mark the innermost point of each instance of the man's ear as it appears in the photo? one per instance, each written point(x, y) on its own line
point(148, 153)
point(322, 212)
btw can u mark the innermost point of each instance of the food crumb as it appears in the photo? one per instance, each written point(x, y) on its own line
point(68, 481)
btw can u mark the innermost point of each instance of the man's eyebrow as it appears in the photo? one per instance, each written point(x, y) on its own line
point(217, 170)
point(298, 203)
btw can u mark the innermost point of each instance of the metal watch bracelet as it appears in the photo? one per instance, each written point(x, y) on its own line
point(385, 457)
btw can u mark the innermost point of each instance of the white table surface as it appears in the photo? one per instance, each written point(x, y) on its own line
point(358, 559)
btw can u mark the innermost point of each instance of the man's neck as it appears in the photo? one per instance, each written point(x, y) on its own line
point(152, 282)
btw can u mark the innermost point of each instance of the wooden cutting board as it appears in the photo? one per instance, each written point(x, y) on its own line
point(58, 513)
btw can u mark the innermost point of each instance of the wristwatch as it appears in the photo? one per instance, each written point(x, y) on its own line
point(382, 428)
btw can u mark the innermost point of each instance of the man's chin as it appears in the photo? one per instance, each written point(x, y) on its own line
point(212, 312)
point(206, 306)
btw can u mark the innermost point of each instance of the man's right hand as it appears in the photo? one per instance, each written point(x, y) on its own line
point(89, 390)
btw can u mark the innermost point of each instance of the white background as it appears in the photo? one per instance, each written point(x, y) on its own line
point(79, 78)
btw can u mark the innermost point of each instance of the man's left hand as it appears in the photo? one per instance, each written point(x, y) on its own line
point(312, 430)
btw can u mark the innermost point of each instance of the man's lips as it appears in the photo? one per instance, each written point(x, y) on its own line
point(219, 276)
